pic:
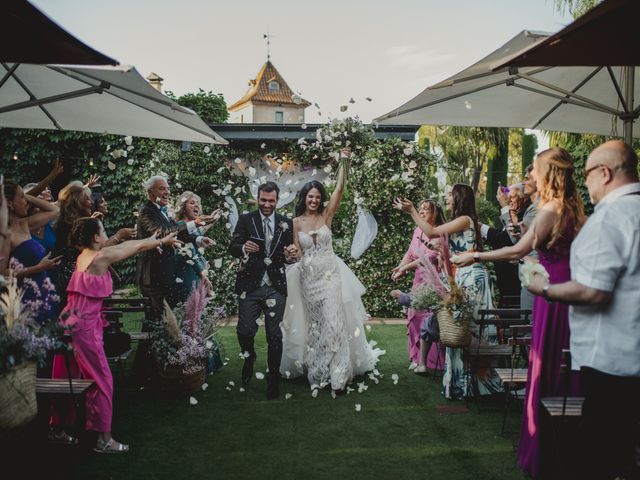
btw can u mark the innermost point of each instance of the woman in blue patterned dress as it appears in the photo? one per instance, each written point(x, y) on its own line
point(464, 236)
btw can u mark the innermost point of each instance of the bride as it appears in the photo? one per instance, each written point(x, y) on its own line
point(323, 332)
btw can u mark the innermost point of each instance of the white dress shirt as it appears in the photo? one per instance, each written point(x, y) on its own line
point(606, 256)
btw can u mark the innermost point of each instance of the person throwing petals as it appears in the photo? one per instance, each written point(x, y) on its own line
point(464, 236)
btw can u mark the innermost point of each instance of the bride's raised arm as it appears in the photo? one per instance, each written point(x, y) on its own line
point(336, 197)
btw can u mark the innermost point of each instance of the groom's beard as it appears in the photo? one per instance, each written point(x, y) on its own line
point(267, 211)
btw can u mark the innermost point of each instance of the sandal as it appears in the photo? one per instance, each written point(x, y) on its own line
point(110, 447)
point(61, 437)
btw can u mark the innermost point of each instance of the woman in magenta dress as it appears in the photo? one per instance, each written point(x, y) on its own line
point(560, 216)
point(89, 285)
point(421, 246)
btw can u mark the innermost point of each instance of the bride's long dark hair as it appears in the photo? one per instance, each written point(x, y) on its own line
point(301, 203)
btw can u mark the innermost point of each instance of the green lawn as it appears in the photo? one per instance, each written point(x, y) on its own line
point(239, 435)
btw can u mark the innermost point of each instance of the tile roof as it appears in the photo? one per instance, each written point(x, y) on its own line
point(259, 90)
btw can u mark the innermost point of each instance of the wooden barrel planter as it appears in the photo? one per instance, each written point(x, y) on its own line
point(173, 381)
point(18, 404)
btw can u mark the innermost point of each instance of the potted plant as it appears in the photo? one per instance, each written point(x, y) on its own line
point(183, 341)
point(23, 343)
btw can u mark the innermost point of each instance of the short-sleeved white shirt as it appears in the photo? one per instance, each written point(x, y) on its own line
point(606, 256)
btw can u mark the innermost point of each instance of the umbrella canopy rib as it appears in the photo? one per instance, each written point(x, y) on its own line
point(559, 104)
point(32, 97)
point(7, 75)
point(570, 94)
point(618, 90)
point(162, 101)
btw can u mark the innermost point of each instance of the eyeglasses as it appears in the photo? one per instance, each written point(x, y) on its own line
point(589, 170)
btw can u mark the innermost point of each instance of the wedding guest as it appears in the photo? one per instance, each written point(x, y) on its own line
point(513, 204)
point(38, 290)
point(191, 266)
point(89, 285)
point(156, 269)
point(604, 316)
point(45, 234)
point(464, 235)
point(420, 352)
point(100, 209)
point(75, 202)
point(559, 218)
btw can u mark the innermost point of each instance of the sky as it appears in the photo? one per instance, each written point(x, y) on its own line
point(329, 51)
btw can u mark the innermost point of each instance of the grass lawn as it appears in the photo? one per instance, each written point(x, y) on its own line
point(239, 435)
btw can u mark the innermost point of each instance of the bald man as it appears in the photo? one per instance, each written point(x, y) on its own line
point(604, 317)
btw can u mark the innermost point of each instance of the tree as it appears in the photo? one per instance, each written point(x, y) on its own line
point(529, 146)
point(576, 8)
point(466, 150)
point(210, 107)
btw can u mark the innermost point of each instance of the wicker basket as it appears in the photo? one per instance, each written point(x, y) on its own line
point(18, 395)
point(173, 381)
point(453, 334)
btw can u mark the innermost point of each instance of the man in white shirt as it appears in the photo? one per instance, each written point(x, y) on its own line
point(604, 294)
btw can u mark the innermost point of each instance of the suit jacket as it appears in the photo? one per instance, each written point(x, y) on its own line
point(251, 271)
point(501, 238)
point(154, 268)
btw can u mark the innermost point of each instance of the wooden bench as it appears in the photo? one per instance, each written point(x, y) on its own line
point(60, 386)
point(516, 377)
point(74, 390)
point(563, 406)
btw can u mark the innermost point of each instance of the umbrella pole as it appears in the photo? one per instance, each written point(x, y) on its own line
point(629, 81)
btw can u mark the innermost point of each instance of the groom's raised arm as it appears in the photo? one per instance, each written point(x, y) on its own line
point(240, 237)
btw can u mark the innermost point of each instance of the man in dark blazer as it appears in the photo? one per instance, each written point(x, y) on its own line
point(155, 269)
point(263, 241)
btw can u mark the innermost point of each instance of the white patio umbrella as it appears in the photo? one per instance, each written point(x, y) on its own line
point(101, 99)
point(575, 99)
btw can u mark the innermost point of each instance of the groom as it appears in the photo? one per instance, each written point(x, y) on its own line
point(263, 240)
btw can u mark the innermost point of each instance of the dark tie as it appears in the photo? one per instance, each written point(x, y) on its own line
point(268, 234)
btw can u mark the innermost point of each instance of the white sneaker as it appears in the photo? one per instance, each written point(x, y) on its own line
point(420, 369)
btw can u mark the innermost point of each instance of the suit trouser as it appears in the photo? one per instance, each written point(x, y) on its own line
point(609, 427)
point(271, 303)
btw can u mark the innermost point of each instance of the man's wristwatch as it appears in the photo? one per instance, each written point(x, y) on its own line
point(476, 257)
point(545, 293)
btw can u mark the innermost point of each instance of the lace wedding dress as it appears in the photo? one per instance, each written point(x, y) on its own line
point(323, 325)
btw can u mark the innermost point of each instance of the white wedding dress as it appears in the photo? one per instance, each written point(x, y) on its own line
point(323, 324)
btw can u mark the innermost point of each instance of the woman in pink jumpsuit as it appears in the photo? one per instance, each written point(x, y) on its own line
point(90, 284)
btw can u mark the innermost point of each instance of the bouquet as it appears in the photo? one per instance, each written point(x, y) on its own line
point(184, 337)
point(331, 139)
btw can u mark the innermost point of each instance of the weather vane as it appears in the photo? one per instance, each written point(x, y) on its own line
point(267, 36)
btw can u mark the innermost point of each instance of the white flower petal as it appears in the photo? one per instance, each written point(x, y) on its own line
point(193, 401)
point(259, 375)
point(358, 407)
point(205, 386)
